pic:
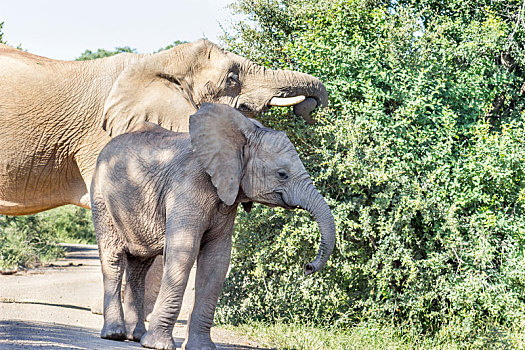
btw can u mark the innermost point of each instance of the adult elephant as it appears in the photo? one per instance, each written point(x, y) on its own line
point(56, 116)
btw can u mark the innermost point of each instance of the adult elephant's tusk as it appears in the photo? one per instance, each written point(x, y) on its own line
point(286, 101)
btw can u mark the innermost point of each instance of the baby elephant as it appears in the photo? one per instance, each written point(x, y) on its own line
point(159, 192)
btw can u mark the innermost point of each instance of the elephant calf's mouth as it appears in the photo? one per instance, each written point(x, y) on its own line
point(250, 111)
point(284, 202)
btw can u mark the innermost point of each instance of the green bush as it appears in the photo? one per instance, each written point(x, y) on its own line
point(70, 224)
point(29, 240)
point(420, 155)
point(25, 241)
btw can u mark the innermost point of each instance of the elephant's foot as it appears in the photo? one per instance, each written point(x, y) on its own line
point(200, 343)
point(157, 340)
point(135, 331)
point(113, 332)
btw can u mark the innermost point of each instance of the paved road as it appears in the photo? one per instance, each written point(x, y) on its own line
point(50, 308)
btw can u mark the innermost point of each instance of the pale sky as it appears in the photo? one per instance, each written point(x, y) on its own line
point(63, 29)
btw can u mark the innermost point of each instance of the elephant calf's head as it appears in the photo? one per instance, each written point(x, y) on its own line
point(167, 87)
point(242, 156)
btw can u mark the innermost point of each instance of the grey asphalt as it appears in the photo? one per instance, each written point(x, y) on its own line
point(50, 308)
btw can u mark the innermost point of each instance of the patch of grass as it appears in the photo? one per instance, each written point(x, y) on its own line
point(301, 337)
point(368, 336)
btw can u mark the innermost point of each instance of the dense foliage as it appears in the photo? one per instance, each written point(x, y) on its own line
point(420, 154)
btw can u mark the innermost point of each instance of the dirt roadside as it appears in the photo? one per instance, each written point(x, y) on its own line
point(50, 308)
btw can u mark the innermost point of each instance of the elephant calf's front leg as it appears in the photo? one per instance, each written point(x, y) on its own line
point(212, 266)
point(180, 253)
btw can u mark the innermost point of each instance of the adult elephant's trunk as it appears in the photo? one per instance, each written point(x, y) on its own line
point(300, 90)
point(282, 88)
point(312, 201)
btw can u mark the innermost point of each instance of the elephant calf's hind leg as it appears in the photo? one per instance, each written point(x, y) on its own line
point(134, 296)
point(112, 271)
point(112, 256)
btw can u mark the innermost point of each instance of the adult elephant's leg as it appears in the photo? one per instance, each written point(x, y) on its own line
point(134, 296)
point(180, 251)
point(80, 195)
point(212, 266)
point(153, 280)
point(86, 159)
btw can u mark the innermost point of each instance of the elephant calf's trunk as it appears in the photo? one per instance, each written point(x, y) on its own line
point(322, 214)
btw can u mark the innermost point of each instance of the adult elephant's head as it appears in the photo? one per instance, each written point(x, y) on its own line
point(167, 87)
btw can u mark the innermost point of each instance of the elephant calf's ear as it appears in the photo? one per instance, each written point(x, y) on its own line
point(218, 134)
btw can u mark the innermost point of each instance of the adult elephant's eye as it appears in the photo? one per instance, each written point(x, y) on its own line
point(233, 79)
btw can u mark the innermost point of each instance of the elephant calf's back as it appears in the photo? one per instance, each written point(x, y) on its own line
point(129, 186)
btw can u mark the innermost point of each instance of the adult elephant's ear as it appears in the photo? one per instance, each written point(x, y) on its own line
point(156, 88)
point(218, 134)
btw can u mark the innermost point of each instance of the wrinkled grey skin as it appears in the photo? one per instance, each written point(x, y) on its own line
point(156, 191)
point(55, 116)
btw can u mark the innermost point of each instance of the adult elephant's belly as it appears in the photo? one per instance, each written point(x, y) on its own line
point(39, 139)
point(29, 185)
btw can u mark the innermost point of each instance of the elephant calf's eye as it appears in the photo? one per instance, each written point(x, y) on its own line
point(282, 174)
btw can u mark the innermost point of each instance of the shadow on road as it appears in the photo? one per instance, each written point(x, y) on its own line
point(66, 306)
point(27, 335)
